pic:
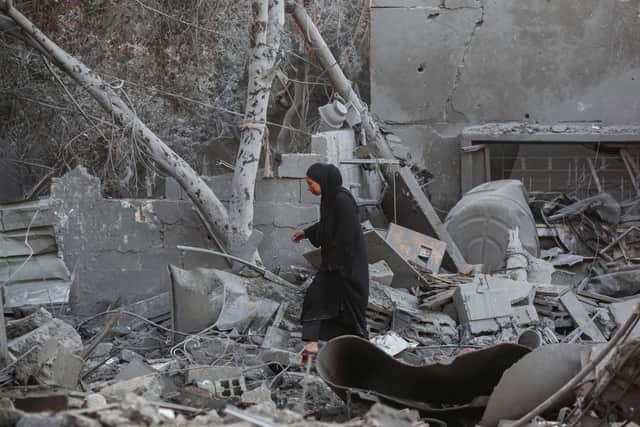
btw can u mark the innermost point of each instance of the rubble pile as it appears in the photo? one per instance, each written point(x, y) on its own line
point(222, 348)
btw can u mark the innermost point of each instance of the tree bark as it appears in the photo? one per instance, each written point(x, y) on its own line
point(266, 29)
point(198, 191)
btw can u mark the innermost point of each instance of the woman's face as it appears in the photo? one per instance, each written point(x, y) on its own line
point(312, 186)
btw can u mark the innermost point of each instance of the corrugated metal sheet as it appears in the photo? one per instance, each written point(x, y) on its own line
point(30, 267)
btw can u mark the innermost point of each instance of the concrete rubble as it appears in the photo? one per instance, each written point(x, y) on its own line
point(182, 340)
point(217, 348)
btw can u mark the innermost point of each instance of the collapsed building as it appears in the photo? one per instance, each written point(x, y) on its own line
point(126, 311)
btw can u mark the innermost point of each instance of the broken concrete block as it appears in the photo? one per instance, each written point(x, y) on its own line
point(259, 395)
point(127, 355)
point(48, 345)
point(426, 327)
point(136, 368)
point(149, 386)
point(486, 303)
point(19, 327)
point(212, 373)
point(230, 388)
point(381, 272)
point(295, 165)
point(64, 369)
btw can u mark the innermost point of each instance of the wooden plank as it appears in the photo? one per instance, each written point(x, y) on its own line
point(581, 316)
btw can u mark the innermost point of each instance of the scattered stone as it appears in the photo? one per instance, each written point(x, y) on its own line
point(19, 327)
point(127, 355)
point(150, 387)
point(53, 344)
point(94, 400)
point(135, 368)
point(102, 350)
point(381, 272)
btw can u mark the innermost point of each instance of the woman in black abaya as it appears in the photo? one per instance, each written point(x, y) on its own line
point(336, 300)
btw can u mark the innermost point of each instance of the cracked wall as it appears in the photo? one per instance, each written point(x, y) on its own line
point(438, 66)
point(118, 249)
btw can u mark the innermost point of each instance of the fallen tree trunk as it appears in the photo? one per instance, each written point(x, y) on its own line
point(198, 191)
point(268, 22)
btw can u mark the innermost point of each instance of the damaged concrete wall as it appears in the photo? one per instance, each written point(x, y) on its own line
point(461, 62)
point(282, 206)
point(118, 249)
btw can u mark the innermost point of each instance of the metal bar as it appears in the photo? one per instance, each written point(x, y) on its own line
point(617, 239)
point(370, 162)
point(265, 273)
point(594, 175)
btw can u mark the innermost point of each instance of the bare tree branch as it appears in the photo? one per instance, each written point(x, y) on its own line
point(266, 28)
point(197, 190)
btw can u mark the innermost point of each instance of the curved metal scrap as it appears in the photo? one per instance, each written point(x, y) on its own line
point(532, 380)
point(350, 363)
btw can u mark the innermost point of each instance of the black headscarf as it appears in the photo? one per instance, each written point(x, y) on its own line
point(330, 180)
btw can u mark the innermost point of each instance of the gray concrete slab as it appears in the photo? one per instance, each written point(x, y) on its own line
point(552, 62)
point(415, 56)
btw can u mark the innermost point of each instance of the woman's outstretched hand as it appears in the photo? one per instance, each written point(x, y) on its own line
point(297, 236)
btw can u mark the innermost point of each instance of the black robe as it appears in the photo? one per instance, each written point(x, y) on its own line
point(336, 301)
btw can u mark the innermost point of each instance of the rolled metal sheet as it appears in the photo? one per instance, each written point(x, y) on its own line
point(353, 364)
point(531, 381)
